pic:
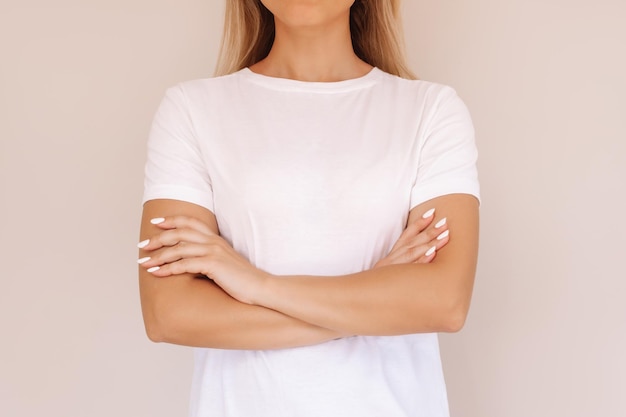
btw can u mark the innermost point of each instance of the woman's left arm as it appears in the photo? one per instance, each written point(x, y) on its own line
point(392, 300)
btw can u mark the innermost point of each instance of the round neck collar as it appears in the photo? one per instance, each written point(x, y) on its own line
point(312, 86)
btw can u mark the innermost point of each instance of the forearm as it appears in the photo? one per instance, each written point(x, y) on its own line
point(395, 299)
point(188, 311)
point(194, 312)
point(392, 300)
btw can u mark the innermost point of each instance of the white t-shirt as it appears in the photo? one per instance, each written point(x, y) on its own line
point(314, 178)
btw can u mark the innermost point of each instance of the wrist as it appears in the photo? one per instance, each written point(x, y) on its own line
point(262, 296)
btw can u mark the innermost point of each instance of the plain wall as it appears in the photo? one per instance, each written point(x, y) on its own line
point(544, 81)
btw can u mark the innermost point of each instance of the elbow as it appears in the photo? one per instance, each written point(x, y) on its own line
point(162, 317)
point(167, 325)
point(454, 322)
point(155, 324)
point(454, 316)
point(154, 333)
point(455, 304)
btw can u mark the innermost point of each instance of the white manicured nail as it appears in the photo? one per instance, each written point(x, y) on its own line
point(143, 244)
point(443, 235)
point(154, 269)
point(143, 260)
point(158, 220)
point(440, 223)
point(430, 252)
point(428, 213)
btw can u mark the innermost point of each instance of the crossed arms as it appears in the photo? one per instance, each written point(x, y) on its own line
point(244, 308)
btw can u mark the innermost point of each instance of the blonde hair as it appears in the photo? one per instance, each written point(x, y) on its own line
point(375, 25)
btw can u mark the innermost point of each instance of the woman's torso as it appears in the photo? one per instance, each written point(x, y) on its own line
point(315, 178)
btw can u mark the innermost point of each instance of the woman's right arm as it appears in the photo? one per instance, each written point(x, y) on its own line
point(190, 311)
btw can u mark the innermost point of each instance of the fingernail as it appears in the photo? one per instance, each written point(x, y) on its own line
point(428, 253)
point(154, 269)
point(429, 213)
point(443, 235)
point(143, 244)
point(158, 220)
point(143, 260)
point(440, 223)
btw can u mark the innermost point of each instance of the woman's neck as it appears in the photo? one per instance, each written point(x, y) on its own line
point(321, 53)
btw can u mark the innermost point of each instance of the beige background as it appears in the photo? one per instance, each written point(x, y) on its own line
point(544, 80)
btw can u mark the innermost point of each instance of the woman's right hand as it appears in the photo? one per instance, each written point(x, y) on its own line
point(419, 242)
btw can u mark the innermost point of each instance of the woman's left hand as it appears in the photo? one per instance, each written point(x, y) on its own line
point(187, 245)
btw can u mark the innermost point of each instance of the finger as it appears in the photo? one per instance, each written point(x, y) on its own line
point(428, 235)
point(174, 236)
point(170, 254)
point(437, 245)
point(178, 222)
point(422, 221)
point(415, 228)
point(411, 250)
point(411, 231)
point(422, 252)
point(404, 255)
point(182, 266)
point(428, 257)
point(408, 248)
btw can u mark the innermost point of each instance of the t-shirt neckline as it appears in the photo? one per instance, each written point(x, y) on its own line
point(288, 84)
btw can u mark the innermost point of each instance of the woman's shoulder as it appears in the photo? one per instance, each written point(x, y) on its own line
point(208, 85)
point(201, 92)
point(423, 92)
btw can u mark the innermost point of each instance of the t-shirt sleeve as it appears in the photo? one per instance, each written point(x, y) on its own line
point(175, 168)
point(447, 157)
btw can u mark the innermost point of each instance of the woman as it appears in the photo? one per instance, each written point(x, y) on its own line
point(274, 196)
